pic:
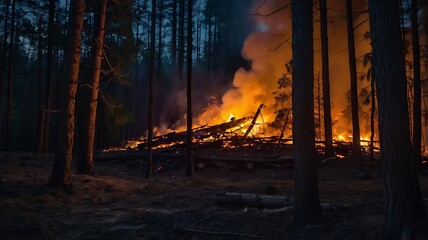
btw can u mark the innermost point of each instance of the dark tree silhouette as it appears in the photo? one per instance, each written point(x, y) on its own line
point(151, 89)
point(356, 145)
point(305, 165)
point(417, 116)
point(9, 107)
point(326, 81)
point(404, 208)
point(43, 141)
point(61, 172)
point(189, 139)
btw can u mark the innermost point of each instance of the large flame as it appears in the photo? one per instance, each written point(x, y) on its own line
point(268, 49)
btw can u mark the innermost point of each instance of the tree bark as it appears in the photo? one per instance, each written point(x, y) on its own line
point(404, 207)
point(86, 158)
point(328, 135)
point(189, 155)
point(308, 207)
point(61, 171)
point(417, 114)
point(151, 88)
point(356, 145)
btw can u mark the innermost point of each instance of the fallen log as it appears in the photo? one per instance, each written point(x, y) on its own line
point(199, 134)
point(324, 206)
point(253, 200)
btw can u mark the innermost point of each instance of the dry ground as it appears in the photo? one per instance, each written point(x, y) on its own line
point(120, 204)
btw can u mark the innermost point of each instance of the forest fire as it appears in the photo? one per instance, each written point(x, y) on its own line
point(253, 132)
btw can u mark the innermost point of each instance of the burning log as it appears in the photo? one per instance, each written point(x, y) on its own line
point(283, 128)
point(176, 138)
point(254, 120)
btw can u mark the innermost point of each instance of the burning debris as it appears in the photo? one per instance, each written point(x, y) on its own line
point(234, 142)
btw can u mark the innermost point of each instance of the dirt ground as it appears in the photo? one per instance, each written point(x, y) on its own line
point(120, 204)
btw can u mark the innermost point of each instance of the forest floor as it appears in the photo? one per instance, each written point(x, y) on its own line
point(117, 203)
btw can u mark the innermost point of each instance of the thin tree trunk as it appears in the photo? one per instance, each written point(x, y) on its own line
point(86, 159)
point(404, 207)
point(189, 139)
point(10, 79)
point(43, 143)
point(209, 47)
point(372, 115)
point(356, 145)
point(135, 89)
point(417, 116)
point(160, 12)
point(42, 115)
point(198, 33)
point(2, 62)
point(151, 89)
point(174, 34)
point(308, 207)
point(61, 171)
point(328, 135)
point(181, 43)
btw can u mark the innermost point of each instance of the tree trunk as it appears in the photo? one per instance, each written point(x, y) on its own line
point(189, 155)
point(417, 116)
point(181, 43)
point(43, 142)
point(9, 126)
point(86, 158)
point(208, 56)
point(151, 89)
point(404, 207)
point(356, 145)
point(174, 35)
point(61, 172)
point(42, 114)
point(160, 12)
point(308, 206)
point(326, 81)
point(372, 115)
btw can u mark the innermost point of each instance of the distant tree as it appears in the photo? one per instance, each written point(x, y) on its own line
point(417, 113)
point(61, 171)
point(308, 206)
point(329, 152)
point(189, 140)
point(86, 158)
point(356, 145)
point(404, 207)
point(151, 89)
